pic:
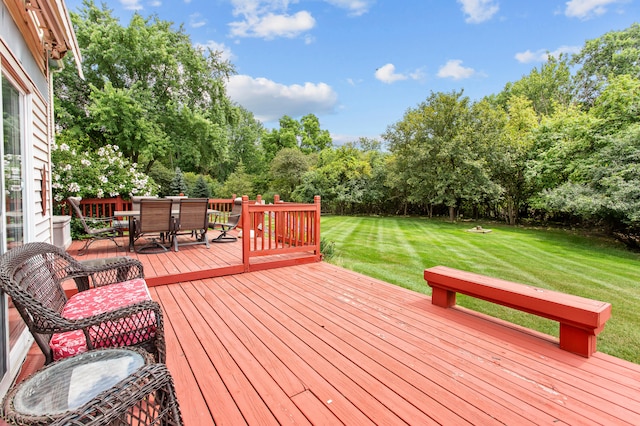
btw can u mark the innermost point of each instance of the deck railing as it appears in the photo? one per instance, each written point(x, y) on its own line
point(280, 228)
point(271, 229)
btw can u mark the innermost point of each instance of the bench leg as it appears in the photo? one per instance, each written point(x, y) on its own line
point(578, 341)
point(442, 297)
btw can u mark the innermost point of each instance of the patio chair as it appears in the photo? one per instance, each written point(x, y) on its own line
point(176, 200)
point(192, 220)
point(155, 219)
point(231, 223)
point(135, 201)
point(101, 228)
point(112, 307)
point(135, 206)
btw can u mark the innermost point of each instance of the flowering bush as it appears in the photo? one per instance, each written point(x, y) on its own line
point(99, 174)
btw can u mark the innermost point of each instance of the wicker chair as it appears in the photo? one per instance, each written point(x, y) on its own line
point(33, 276)
point(103, 228)
point(232, 222)
point(193, 220)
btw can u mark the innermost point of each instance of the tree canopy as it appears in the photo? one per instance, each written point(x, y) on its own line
point(559, 144)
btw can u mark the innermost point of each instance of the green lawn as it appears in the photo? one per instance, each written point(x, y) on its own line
point(398, 249)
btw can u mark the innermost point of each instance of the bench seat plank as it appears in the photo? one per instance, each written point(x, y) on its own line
point(581, 319)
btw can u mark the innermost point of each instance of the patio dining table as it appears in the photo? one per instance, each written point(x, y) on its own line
point(136, 213)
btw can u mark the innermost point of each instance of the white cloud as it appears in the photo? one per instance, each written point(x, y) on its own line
point(225, 52)
point(355, 7)
point(585, 9)
point(479, 10)
point(131, 4)
point(454, 69)
point(269, 100)
point(542, 55)
point(269, 19)
point(387, 74)
point(273, 25)
point(196, 20)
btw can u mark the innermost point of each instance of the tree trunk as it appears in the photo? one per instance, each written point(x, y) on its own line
point(511, 211)
point(452, 213)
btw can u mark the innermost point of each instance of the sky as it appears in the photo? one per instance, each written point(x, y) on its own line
point(359, 65)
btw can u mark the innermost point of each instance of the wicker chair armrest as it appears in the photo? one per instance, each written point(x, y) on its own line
point(116, 271)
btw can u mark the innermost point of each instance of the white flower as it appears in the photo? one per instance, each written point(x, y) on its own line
point(64, 147)
point(103, 179)
point(85, 162)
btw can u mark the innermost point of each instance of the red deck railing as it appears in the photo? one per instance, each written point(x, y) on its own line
point(268, 230)
point(280, 228)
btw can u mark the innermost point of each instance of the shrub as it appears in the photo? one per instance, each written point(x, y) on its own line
point(102, 173)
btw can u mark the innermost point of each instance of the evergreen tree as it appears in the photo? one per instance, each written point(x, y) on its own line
point(178, 185)
point(201, 189)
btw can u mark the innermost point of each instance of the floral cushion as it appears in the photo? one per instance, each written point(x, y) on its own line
point(104, 299)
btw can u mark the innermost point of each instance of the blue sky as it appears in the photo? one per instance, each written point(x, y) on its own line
point(358, 65)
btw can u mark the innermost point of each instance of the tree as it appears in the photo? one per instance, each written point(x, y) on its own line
point(147, 89)
point(513, 150)
point(589, 167)
point(340, 177)
point(444, 158)
point(313, 139)
point(244, 146)
point(178, 185)
point(287, 169)
point(615, 53)
point(238, 183)
point(201, 189)
point(545, 88)
point(304, 134)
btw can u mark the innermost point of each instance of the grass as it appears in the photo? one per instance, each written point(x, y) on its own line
point(398, 249)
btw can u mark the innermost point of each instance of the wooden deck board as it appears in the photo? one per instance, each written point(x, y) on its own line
point(343, 346)
point(317, 344)
point(509, 360)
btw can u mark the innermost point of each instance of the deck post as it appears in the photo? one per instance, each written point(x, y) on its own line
point(316, 226)
point(245, 222)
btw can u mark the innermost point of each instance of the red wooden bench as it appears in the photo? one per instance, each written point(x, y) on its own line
point(580, 319)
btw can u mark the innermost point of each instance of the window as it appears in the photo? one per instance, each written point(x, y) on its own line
point(12, 224)
point(12, 134)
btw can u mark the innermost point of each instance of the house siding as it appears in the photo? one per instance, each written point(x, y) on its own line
point(17, 60)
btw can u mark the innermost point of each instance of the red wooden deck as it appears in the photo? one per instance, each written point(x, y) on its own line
point(318, 344)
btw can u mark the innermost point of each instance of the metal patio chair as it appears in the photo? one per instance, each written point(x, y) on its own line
point(102, 228)
point(193, 220)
